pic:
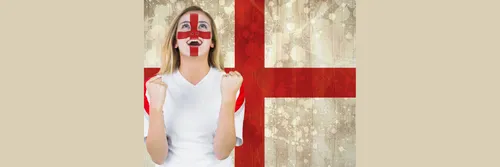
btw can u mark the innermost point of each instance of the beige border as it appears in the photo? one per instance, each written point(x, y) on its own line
point(73, 75)
point(72, 80)
point(426, 91)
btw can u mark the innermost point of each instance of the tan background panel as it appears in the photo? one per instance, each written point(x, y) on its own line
point(71, 83)
point(426, 83)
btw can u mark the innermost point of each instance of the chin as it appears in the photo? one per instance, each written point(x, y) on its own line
point(186, 52)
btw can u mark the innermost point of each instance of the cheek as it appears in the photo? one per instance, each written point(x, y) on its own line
point(181, 42)
point(207, 43)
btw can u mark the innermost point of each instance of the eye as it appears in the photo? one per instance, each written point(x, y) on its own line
point(185, 26)
point(203, 26)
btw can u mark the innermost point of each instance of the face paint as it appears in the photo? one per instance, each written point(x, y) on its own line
point(194, 34)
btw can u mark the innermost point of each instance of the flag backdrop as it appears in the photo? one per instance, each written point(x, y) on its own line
point(298, 60)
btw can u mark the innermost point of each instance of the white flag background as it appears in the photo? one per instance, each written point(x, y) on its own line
point(299, 33)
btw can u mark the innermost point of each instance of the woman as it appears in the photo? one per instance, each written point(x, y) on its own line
point(192, 119)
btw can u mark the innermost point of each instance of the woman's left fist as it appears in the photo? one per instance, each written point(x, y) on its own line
point(230, 84)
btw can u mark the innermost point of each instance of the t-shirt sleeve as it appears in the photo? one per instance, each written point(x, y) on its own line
point(239, 116)
point(146, 111)
point(146, 125)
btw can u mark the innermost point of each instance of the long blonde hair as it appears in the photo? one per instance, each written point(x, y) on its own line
point(170, 57)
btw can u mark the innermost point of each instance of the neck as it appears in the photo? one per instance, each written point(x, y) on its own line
point(194, 68)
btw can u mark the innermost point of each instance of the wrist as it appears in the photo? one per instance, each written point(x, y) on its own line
point(229, 95)
point(229, 98)
point(155, 109)
point(228, 101)
point(227, 105)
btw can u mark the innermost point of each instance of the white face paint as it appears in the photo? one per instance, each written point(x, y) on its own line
point(194, 36)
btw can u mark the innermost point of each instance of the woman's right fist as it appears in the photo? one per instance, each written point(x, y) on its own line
point(156, 90)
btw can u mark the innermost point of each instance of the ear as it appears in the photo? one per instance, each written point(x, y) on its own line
point(212, 45)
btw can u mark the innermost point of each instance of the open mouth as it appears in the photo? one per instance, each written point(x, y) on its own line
point(194, 43)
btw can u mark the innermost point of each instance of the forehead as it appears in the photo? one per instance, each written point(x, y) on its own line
point(201, 16)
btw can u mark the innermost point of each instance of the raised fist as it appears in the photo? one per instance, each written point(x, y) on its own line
point(230, 84)
point(156, 90)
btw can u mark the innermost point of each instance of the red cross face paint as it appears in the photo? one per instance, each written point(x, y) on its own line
point(194, 34)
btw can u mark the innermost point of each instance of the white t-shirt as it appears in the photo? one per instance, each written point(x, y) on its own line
point(191, 116)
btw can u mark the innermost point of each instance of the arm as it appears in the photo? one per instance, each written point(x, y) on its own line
point(230, 124)
point(154, 128)
point(156, 141)
point(225, 136)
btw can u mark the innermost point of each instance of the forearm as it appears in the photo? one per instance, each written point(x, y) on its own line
point(156, 141)
point(225, 136)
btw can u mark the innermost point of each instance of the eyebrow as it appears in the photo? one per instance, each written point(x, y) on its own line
point(198, 22)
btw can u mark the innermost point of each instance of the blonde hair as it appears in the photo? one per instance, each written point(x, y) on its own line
point(170, 57)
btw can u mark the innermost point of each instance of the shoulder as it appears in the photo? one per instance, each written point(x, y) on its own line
point(218, 72)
